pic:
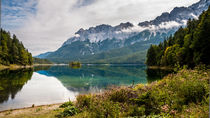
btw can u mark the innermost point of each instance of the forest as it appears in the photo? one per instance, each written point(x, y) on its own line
point(41, 61)
point(12, 51)
point(188, 47)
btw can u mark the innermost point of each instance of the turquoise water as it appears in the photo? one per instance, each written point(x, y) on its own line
point(56, 84)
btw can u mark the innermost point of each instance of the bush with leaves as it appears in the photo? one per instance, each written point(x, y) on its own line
point(66, 104)
point(68, 111)
point(104, 109)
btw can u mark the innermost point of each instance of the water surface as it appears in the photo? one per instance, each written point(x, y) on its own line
point(56, 84)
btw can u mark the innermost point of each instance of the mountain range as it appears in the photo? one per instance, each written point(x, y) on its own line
point(126, 42)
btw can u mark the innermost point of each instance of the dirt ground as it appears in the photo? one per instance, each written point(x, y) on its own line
point(44, 111)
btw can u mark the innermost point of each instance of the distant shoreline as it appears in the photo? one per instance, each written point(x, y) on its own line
point(160, 67)
point(16, 67)
point(49, 64)
point(92, 64)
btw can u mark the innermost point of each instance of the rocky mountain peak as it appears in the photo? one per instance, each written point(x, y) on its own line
point(101, 28)
point(126, 25)
point(178, 14)
point(123, 26)
point(80, 31)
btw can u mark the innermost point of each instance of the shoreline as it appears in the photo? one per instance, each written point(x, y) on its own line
point(24, 108)
point(50, 64)
point(160, 67)
point(15, 67)
point(49, 111)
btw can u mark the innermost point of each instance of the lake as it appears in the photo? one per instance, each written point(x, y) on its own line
point(56, 84)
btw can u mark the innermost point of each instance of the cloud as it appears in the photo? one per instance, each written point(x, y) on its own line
point(43, 25)
point(163, 25)
point(170, 24)
point(14, 13)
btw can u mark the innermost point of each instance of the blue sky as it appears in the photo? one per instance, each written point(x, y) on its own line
point(15, 12)
point(43, 25)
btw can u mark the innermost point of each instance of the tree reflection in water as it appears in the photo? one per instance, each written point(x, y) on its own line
point(157, 74)
point(12, 81)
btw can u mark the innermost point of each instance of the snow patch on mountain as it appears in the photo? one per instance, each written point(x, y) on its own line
point(194, 16)
point(77, 35)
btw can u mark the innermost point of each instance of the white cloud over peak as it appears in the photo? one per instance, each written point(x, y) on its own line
point(170, 24)
point(54, 21)
point(163, 25)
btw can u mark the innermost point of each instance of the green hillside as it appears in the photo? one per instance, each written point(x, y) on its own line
point(130, 54)
point(132, 58)
point(41, 61)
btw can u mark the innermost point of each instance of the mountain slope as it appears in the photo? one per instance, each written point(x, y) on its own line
point(103, 39)
point(43, 55)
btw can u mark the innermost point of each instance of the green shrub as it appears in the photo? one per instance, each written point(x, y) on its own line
point(121, 95)
point(66, 104)
point(188, 87)
point(105, 109)
point(136, 111)
point(83, 101)
point(192, 91)
point(149, 101)
point(69, 111)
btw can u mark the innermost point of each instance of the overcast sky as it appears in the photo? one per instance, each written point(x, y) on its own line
point(43, 25)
